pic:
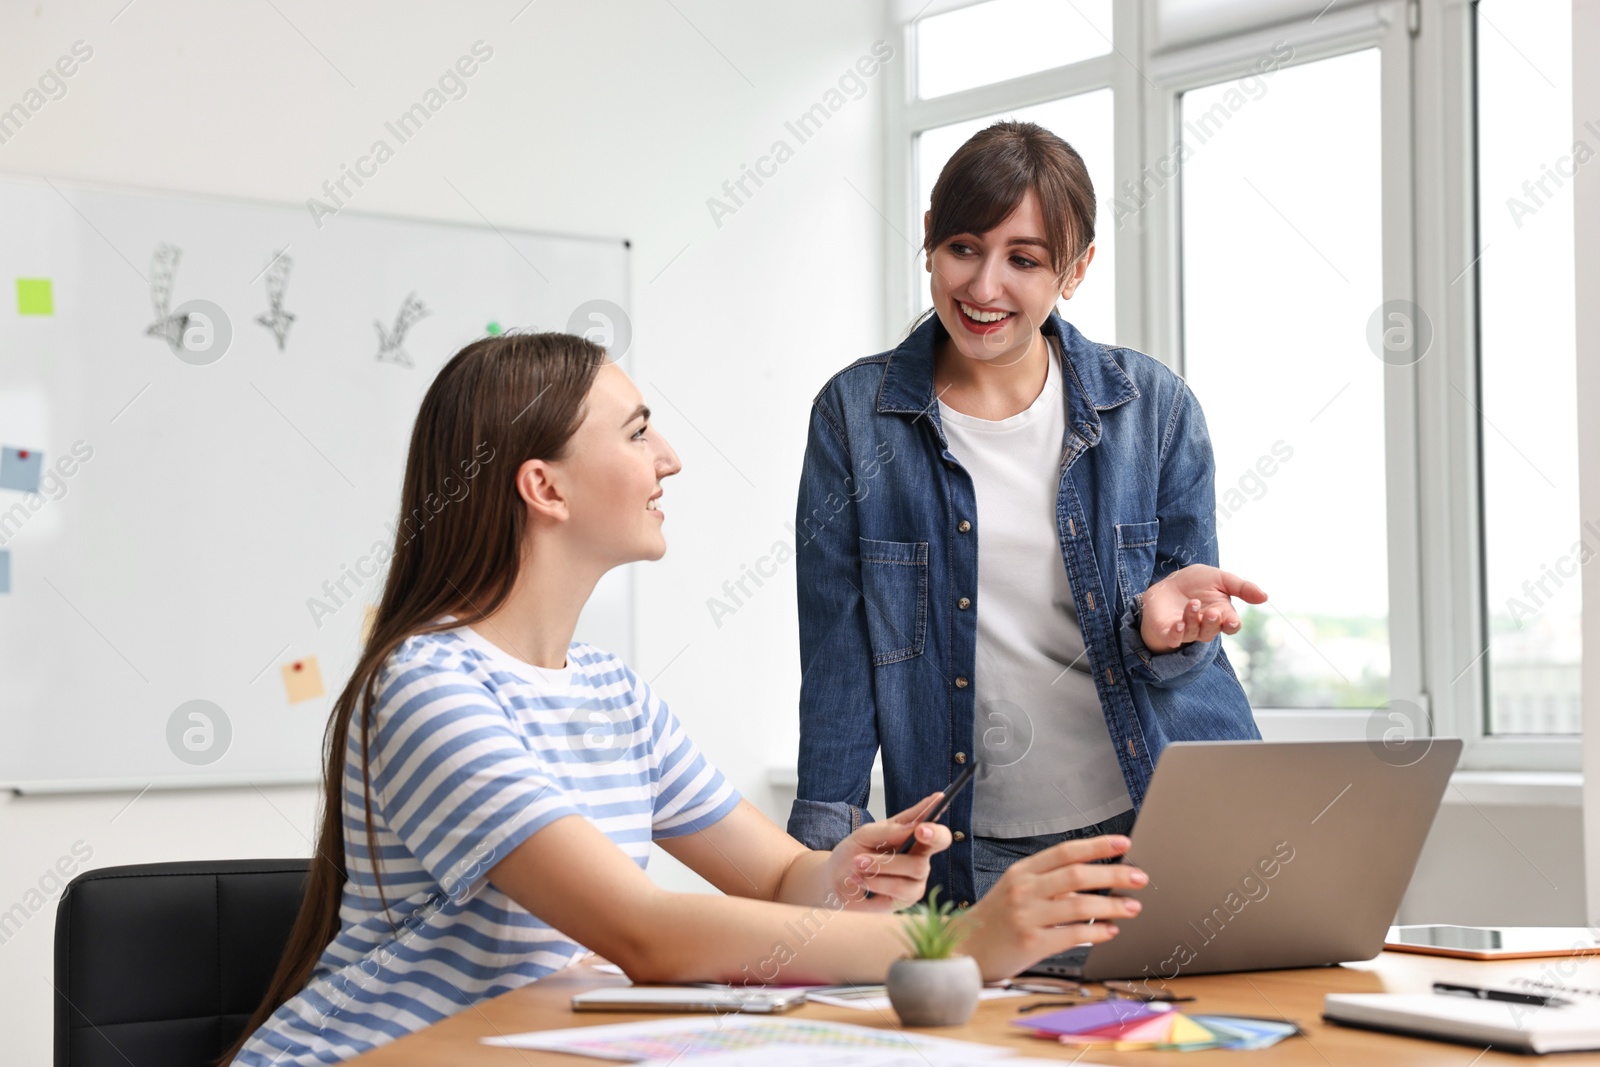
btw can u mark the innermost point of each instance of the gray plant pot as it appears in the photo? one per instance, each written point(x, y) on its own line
point(935, 992)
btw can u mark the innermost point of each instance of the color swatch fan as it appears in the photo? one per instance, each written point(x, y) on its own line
point(1130, 1025)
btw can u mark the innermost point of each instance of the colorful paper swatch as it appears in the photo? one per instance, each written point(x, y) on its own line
point(20, 469)
point(302, 679)
point(34, 297)
point(5, 571)
point(1094, 1016)
point(1251, 1033)
point(1129, 1025)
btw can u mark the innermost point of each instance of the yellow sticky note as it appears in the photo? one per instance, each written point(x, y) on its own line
point(303, 680)
point(34, 297)
point(1186, 1031)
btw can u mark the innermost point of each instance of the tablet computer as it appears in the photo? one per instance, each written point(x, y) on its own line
point(644, 998)
point(1492, 942)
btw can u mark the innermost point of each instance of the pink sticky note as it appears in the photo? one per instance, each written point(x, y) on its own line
point(1156, 1028)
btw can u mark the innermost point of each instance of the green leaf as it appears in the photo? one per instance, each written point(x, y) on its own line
point(932, 930)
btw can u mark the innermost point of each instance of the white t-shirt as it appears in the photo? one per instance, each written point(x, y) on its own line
point(1046, 763)
point(474, 751)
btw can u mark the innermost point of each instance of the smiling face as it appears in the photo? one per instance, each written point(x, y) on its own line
point(611, 475)
point(993, 290)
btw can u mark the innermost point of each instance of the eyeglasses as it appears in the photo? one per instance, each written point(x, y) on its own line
point(1084, 995)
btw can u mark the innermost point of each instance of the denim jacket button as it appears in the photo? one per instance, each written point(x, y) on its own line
point(950, 463)
point(959, 836)
point(961, 681)
point(963, 603)
point(961, 757)
point(963, 526)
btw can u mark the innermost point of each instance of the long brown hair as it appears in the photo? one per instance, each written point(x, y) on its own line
point(982, 184)
point(496, 403)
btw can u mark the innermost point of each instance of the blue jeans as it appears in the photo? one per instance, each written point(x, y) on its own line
point(991, 856)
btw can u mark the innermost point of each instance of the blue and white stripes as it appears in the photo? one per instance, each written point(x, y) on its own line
point(473, 752)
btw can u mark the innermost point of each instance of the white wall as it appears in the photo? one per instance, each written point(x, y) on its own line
point(615, 118)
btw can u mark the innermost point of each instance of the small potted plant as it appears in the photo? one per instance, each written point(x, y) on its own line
point(934, 986)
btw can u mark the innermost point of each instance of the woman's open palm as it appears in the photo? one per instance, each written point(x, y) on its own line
point(1194, 604)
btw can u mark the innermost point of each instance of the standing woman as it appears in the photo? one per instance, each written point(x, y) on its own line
point(1006, 544)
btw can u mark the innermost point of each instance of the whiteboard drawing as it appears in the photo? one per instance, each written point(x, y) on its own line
point(390, 342)
point(275, 318)
point(163, 268)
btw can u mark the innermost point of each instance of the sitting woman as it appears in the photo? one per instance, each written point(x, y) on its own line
point(492, 788)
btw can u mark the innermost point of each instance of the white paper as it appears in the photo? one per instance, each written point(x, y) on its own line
point(812, 1056)
point(685, 1039)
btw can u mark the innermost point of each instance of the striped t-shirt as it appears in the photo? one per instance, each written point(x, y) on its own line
point(472, 752)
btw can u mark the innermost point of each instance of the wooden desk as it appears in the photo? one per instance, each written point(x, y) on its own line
point(1296, 995)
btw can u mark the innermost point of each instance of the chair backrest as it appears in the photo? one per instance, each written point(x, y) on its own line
point(162, 964)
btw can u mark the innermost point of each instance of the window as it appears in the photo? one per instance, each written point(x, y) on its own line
point(1533, 539)
point(1005, 39)
point(1413, 511)
point(1282, 256)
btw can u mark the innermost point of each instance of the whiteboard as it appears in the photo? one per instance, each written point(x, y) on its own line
point(193, 498)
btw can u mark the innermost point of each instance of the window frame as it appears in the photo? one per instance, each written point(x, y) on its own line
point(1438, 630)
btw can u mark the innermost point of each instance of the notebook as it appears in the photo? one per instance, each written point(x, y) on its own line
point(1469, 1021)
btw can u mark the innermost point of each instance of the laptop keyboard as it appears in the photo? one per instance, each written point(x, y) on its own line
point(1068, 964)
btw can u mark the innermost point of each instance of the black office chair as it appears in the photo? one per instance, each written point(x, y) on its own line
point(162, 964)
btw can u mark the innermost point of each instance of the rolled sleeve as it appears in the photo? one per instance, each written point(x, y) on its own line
point(822, 824)
point(1165, 670)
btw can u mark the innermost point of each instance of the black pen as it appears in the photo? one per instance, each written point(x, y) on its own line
point(950, 792)
point(1499, 994)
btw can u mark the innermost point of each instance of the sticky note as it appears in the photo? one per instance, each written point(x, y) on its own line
point(34, 297)
point(493, 329)
point(20, 468)
point(303, 680)
point(1096, 1015)
point(1186, 1031)
point(5, 571)
point(1156, 1029)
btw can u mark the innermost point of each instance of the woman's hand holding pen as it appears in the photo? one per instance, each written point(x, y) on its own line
point(1194, 604)
point(868, 861)
point(1043, 905)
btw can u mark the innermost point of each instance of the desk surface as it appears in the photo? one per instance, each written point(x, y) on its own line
point(1296, 995)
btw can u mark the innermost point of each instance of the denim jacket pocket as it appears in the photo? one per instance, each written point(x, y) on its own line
point(1136, 556)
point(894, 580)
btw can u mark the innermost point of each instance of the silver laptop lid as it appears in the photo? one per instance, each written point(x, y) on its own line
point(1265, 855)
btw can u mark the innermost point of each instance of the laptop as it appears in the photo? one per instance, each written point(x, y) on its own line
point(1264, 855)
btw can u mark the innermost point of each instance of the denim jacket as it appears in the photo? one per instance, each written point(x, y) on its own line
point(886, 537)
